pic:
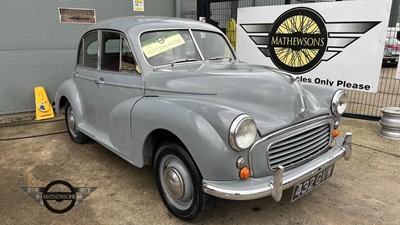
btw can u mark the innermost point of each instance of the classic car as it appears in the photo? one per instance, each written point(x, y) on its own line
point(171, 93)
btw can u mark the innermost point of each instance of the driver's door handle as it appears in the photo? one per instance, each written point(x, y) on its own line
point(99, 81)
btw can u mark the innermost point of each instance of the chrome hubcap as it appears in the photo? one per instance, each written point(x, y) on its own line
point(71, 121)
point(174, 182)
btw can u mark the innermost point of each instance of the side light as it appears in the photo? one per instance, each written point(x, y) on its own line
point(337, 124)
point(335, 133)
point(240, 163)
point(244, 173)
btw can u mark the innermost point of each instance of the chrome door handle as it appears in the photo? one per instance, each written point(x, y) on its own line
point(99, 81)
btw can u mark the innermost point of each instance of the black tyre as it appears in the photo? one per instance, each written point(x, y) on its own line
point(179, 183)
point(74, 133)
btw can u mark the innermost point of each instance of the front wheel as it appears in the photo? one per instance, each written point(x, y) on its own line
point(72, 127)
point(179, 183)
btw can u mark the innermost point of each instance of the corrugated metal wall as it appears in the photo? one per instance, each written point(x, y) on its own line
point(36, 50)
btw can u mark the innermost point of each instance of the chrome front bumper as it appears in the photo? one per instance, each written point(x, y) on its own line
point(254, 188)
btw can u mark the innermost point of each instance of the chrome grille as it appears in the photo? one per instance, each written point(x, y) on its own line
point(291, 150)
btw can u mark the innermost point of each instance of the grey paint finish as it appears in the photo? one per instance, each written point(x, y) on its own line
point(212, 156)
point(238, 86)
point(196, 101)
point(36, 50)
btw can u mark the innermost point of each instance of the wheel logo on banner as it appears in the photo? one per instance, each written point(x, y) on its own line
point(300, 38)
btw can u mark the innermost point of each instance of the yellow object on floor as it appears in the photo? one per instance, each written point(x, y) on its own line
point(43, 105)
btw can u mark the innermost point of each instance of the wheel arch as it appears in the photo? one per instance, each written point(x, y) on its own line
point(67, 92)
point(155, 139)
point(152, 126)
point(63, 102)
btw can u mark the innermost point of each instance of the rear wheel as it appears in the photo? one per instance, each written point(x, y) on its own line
point(179, 183)
point(72, 127)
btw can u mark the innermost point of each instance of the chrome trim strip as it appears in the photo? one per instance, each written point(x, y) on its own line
point(284, 130)
point(255, 188)
point(303, 106)
point(84, 77)
point(123, 85)
point(180, 92)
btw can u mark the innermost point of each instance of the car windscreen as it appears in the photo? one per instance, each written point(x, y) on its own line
point(167, 47)
point(213, 45)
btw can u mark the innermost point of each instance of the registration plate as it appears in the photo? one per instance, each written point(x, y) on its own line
point(304, 187)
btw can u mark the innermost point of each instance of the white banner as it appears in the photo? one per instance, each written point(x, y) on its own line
point(339, 44)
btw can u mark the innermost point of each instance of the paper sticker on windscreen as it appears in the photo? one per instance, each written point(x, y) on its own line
point(160, 44)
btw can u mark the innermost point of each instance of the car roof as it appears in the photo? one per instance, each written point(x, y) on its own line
point(138, 24)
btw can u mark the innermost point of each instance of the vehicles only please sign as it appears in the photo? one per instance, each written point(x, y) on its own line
point(316, 43)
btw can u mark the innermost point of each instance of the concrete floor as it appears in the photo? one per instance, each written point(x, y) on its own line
point(364, 190)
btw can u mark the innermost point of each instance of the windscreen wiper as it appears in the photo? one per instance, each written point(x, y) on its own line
point(220, 58)
point(182, 60)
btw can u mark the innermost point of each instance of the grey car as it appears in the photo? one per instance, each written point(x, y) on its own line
point(171, 93)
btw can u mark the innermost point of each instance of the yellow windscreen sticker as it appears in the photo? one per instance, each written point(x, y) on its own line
point(162, 44)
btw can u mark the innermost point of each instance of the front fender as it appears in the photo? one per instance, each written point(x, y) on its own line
point(68, 90)
point(215, 160)
point(320, 93)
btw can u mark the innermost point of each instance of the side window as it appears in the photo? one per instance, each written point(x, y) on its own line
point(90, 50)
point(80, 54)
point(127, 60)
point(116, 54)
point(110, 54)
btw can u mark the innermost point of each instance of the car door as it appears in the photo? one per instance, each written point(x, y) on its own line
point(85, 75)
point(119, 87)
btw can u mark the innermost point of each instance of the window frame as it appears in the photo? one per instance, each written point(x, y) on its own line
point(190, 30)
point(122, 36)
point(81, 48)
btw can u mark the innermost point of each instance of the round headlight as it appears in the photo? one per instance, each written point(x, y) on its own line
point(339, 103)
point(242, 133)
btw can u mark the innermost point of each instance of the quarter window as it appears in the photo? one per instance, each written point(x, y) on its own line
point(90, 49)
